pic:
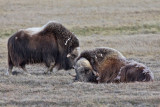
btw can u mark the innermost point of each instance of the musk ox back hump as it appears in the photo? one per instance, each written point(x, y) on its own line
point(64, 37)
point(97, 55)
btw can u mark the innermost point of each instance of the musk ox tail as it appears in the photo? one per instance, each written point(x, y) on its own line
point(9, 60)
point(16, 50)
point(10, 63)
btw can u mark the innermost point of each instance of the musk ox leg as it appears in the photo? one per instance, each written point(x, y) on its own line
point(25, 70)
point(10, 65)
point(56, 67)
point(50, 68)
point(9, 72)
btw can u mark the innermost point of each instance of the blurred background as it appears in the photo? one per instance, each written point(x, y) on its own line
point(84, 17)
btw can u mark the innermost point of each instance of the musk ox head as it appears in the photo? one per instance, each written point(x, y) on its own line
point(84, 71)
point(134, 71)
point(72, 57)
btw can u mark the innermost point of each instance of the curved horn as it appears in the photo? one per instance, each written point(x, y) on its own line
point(95, 73)
point(68, 55)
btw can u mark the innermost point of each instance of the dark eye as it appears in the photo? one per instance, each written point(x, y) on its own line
point(73, 56)
point(87, 70)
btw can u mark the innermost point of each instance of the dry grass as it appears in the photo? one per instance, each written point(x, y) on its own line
point(110, 23)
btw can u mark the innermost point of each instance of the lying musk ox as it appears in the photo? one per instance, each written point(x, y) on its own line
point(109, 65)
point(134, 71)
point(51, 44)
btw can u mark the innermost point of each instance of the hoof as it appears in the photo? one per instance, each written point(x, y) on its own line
point(47, 73)
point(7, 74)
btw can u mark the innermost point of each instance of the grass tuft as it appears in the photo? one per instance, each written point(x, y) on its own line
point(122, 30)
point(100, 30)
point(6, 33)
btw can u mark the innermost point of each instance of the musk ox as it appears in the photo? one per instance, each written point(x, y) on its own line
point(109, 65)
point(134, 71)
point(51, 44)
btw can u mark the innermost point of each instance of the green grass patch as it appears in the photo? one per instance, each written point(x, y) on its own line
point(87, 31)
point(122, 30)
point(6, 33)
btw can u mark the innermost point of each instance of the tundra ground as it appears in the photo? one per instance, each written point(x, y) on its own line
point(132, 27)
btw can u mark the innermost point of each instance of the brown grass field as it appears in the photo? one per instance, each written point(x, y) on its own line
point(130, 26)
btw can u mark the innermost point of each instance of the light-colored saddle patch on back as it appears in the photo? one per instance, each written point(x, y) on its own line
point(32, 31)
point(35, 30)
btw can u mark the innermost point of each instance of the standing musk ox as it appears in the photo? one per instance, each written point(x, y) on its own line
point(109, 65)
point(51, 44)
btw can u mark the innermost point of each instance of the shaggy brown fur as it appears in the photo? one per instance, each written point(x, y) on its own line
point(50, 45)
point(109, 65)
point(109, 69)
point(96, 56)
point(134, 71)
